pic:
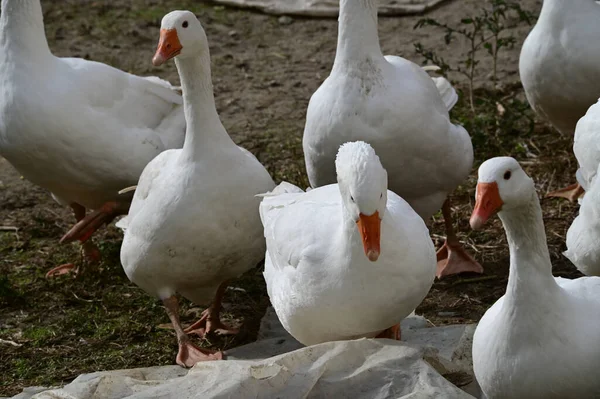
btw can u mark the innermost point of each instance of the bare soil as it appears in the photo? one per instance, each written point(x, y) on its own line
point(264, 71)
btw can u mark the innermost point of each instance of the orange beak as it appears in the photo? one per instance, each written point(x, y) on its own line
point(168, 47)
point(370, 231)
point(487, 203)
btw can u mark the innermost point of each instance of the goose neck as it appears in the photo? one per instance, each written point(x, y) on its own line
point(358, 40)
point(558, 13)
point(22, 28)
point(204, 131)
point(530, 266)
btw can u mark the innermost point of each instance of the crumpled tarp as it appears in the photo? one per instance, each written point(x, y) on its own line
point(329, 8)
point(364, 368)
point(278, 366)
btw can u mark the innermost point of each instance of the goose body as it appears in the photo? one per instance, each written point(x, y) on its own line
point(586, 146)
point(396, 107)
point(81, 129)
point(559, 62)
point(321, 279)
point(193, 223)
point(584, 233)
point(190, 227)
point(539, 339)
point(548, 352)
point(392, 104)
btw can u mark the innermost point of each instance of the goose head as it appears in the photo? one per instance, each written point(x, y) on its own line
point(362, 181)
point(502, 185)
point(181, 35)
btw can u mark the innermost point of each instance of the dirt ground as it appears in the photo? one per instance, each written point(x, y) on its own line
point(264, 71)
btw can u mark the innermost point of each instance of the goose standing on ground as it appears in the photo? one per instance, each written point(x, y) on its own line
point(345, 260)
point(540, 340)
point(80, 129)
point(193, 224)
point(396, 107)
point(559, 67)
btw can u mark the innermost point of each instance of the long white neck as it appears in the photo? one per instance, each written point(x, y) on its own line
point(22, 28)
point(530, 276)
point(551, 9)
point(204, 131)
point(561, 12)
point(358, 40)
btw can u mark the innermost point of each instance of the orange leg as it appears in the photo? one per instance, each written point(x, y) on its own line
point(451, 257)
point(572, 192)
point(391, 333)
point(88, 225)
point(91, 253)
point(188, 354)
point(210, 320)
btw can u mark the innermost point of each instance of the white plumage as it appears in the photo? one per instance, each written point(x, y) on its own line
point(559, 62)
point(193, 223)
point(80, 129)
point(319, 279)
point(539, 340)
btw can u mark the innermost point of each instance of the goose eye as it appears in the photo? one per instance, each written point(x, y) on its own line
point(184, 24)
point(352, 198)
point(507, 175)
point(381, 196)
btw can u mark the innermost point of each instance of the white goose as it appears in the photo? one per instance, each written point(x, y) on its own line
point(559, 66)
point(80, 129)
point(584, 233)
point(586, 148)
point(395, 106)
point(540, 340)
point(345, 260)
point(193, 223)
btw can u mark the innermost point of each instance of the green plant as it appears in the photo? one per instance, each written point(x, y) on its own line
point(486, 31)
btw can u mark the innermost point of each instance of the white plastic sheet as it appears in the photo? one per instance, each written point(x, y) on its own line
point(329, 8)
point(277, 366)
point(364, 368)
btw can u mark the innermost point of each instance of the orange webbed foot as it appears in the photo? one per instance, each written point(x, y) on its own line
point(189, 354)
point(572, 192)
point(208, 325)
point(453, 259)
point(67, 268)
